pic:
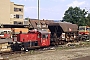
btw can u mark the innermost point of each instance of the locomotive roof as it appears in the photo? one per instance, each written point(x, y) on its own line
point(65, 26)
point(43, 31)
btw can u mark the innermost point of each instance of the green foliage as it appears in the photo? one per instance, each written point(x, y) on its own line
point(75, 16)
point(27, 18)
point(32, 52)
point(88, 19)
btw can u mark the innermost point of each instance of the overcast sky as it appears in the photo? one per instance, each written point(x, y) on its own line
point(50, 9)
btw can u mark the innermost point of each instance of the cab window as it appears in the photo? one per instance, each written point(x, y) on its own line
point(81, 28)
point(88, 29)
point(44, 36)
point(2, 33)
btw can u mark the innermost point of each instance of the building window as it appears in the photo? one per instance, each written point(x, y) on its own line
point(18, 16)
point(47, 25)
point(18, 9)
point(18, 23)
point(39, 26)
point(43, 25)
point(15, 9)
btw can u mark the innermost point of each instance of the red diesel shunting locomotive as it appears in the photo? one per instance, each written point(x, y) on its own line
point(33, 39)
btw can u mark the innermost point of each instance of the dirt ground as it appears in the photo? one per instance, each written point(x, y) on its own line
point(83, 58)
point(82, 51)
point(66, 54)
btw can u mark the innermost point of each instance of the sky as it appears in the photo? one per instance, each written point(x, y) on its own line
point(50, 9)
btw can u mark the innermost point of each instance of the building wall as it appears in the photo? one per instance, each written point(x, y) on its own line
point(7, 13)
point(4, 11)
point(16, 13)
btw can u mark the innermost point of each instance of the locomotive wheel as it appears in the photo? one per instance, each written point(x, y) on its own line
point(26, 49)
point(52, 43)
point(63, 42)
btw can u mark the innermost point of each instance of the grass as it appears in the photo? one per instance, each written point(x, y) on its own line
point(73, 46)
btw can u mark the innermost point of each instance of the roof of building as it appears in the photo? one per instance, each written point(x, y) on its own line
point(42, 22)
point(35, 22)
point(18, 5)
point(13, 26)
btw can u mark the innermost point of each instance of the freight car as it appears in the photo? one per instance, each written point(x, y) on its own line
point(63, 32)
point(31, 40)
point(84, 33)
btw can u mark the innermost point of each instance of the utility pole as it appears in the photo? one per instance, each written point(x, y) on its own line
point(38, 16)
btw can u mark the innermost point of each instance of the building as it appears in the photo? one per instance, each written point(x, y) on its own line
point(16, 13)
point(34, 23)
point(11, 13)
point(4, 11)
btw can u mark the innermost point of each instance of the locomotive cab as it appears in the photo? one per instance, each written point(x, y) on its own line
point(45, 39)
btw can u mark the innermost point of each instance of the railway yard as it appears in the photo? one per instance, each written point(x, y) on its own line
point(43, 39)
point(59, 41)
point(69, 51)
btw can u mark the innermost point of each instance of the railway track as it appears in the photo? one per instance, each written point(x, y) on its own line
point(39, 49)
point(13, 54)
point(23, 52)
point(10, 53)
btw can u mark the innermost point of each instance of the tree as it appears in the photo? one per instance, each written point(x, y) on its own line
point(27, 18)
point(88, 19)
point(75, 16)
